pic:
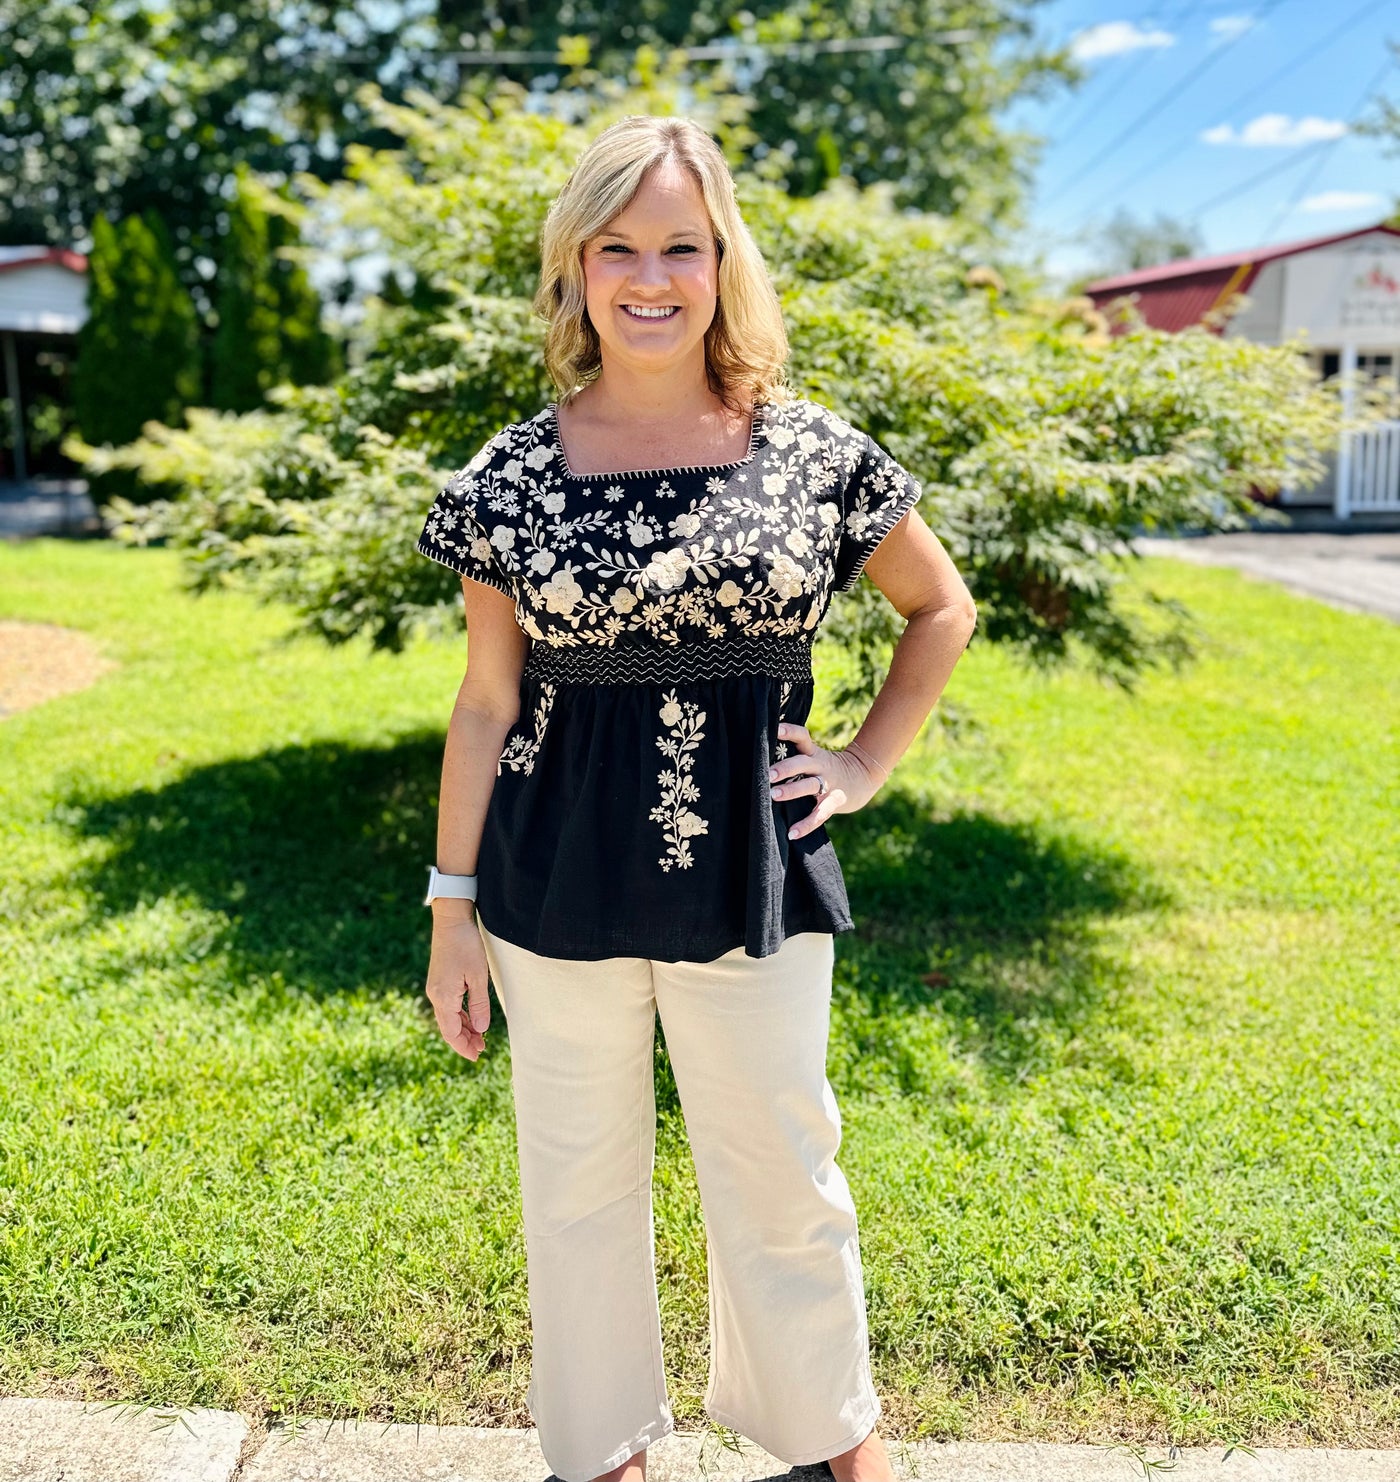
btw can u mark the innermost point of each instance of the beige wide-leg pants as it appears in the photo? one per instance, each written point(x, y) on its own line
point(747, 1038)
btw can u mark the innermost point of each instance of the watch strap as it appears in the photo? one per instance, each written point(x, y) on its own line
point(459, 887)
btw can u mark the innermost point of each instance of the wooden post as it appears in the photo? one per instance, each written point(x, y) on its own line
point(16, 409)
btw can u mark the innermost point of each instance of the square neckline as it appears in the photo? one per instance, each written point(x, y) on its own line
point(758, 426)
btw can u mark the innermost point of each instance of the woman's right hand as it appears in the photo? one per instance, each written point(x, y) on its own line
point(456, 967)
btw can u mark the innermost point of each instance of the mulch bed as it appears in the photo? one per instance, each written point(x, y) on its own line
point(40, 661)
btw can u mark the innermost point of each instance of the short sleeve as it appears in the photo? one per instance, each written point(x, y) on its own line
point(879, 492)
point(454, 533)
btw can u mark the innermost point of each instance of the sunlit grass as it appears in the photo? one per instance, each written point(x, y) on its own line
point(1115, 1040)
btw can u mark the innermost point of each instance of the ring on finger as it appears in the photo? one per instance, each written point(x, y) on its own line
point(821, 785)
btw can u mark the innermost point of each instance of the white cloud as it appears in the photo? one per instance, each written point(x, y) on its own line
point(1227, 27)
point(1277, 129)
point(1113, 38)
point(1343, 200)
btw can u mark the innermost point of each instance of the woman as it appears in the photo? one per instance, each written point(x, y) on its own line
point(632, 816)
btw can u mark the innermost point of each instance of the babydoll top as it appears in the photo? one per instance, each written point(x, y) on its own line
point(671, 613)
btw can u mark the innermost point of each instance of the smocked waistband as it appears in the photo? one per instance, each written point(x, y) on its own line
point(654, 663)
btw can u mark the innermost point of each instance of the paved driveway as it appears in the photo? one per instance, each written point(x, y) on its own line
point(1359, 572)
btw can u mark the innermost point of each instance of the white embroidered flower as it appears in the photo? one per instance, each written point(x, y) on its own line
point(723, 557)
point(520, 751)
point(785, 576)
point(680, 824)
point(667, 569)
point(561, 592)
point(858, 522)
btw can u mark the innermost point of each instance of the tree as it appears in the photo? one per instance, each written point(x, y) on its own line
point(138, 351)
point(156, 106)
point(269, 315)
point(247, 345)
point(1127, 243)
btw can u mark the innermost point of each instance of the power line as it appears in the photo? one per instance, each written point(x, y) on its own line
point(1248, 184)
point(1233, 192)
point(1144, 56)
point(714, 51)
point(1322, 158)
point(1306, 55)
point(1170, 96)
point(1125, 77)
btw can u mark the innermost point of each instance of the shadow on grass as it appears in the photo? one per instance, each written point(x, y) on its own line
point(315, 854)
point(994, 922)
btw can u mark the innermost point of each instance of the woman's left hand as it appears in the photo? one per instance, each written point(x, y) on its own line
point(850, 784)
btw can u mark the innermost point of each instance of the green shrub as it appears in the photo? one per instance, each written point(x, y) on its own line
point(1043, 442)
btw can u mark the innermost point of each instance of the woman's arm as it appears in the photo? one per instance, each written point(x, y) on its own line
point(918, 577)
point(487, 705)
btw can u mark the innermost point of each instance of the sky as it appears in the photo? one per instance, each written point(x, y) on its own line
point(1232, 115)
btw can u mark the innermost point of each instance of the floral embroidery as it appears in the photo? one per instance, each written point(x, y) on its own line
point(683, 718)
point(664, 556)
point(780, 748)
point(521, 750)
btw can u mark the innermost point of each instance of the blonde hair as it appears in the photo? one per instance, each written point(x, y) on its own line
point(746, 344)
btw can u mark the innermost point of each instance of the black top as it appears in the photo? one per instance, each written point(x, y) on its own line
point(672, 612)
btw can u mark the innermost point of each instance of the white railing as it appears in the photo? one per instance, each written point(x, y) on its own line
point(1368, 470)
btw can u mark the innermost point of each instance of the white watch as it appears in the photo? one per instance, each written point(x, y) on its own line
point(460, 887)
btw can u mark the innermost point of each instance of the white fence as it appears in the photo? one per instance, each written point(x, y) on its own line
point(1368, 470)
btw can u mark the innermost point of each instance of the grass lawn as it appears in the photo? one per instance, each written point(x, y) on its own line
point(1116, 1040)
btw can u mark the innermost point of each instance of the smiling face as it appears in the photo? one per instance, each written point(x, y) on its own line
point(652, 274)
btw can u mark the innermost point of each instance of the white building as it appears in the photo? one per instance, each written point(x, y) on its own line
point(43, 304)
point(1342, 291)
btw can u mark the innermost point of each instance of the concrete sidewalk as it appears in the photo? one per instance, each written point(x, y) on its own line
point(69, 1441)
point(1358, 570)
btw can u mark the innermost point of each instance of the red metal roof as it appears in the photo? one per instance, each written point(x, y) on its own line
point(1183, 302)
point(1176, 295)
point(1191, 266)
point(14, 258)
